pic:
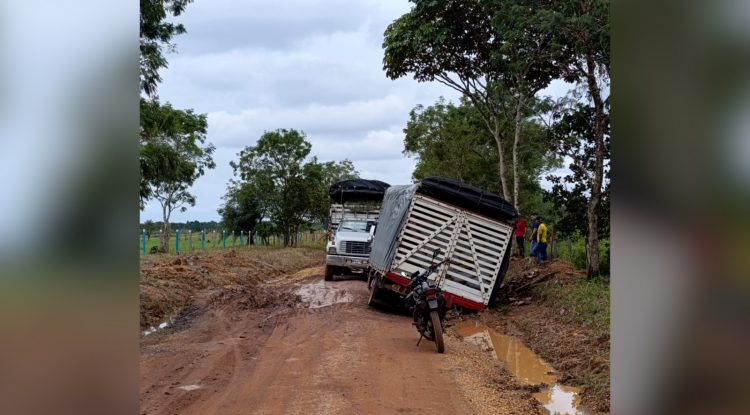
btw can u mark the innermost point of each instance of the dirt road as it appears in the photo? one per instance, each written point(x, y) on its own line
point(325, 352)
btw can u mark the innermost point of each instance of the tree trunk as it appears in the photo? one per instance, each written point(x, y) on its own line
point(592, 240)
point(516, 141)
point(501, 160)
point(164, 241)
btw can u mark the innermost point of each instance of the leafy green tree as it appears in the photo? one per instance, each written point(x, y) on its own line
point(155, 35)
point(583, 35)
point(573, 193)
point(174, 153)
point(241, 209)
point(450, 140)
point(288, 190)
point(150, 227)
point(490, 51)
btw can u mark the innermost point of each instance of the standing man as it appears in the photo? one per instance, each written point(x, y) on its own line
point(541, 246)
point(520, 233)
point(534, 227)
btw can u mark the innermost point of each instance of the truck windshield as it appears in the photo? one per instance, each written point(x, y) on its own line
point(354, 226)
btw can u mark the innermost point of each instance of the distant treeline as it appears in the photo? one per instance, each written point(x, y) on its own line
point(193, 225)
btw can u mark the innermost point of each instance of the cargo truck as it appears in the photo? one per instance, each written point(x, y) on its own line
point(471, 227)
point(352, 221)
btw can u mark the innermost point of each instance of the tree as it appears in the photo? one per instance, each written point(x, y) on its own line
point(155, 35)
point(583, 33)
point(241, 209)
point(451, 140)
point(574, 193)
point(288, 190)
point(174, 153)
point(489, 51)
point(150, 227)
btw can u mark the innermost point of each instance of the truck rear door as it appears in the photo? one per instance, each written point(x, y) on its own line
point(475, 245)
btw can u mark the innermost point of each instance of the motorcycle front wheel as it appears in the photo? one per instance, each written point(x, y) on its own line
point(437, 330)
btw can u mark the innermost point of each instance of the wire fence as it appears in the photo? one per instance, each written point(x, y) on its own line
point(187, 241)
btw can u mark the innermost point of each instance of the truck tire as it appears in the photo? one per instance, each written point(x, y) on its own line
point(437, 330)
point(329, 272)
point(494, 298)
point(374, 291)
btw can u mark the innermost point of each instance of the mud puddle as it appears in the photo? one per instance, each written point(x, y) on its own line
point(322, 294)
point(526, 366)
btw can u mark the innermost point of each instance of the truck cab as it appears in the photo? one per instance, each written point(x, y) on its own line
point(348, 248)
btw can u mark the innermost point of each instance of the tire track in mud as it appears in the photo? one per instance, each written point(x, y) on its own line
point(341, 359)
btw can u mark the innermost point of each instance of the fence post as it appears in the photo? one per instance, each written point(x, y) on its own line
point(143, 241)
point(177, 241)
point(570, 250)
point(241, 232)
point(224, 238)
point(190, 241)
point(203, 239)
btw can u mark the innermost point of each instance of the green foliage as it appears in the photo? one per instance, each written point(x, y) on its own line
point(173, 154)
point(241, 209)
point(290, 192)
point(450, 140)
point(498, 54)
point(150, 227)
point(156, 34)
point(173, 149)
point(577, 256)
point(584, 301)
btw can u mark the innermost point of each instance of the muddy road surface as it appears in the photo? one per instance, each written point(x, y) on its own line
point(316, 349)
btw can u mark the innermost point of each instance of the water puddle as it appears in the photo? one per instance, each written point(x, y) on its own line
point(190, 387)
point(526, 366)
point(320, 294)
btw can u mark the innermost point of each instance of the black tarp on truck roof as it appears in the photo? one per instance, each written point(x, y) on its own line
point(357, 190)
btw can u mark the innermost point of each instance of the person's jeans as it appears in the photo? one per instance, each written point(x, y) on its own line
point(519, 244)
point(541, 252)
point(532, 252)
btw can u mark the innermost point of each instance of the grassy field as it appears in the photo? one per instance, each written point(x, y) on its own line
point(306, 240)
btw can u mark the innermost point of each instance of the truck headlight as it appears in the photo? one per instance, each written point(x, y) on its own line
point(332, 250)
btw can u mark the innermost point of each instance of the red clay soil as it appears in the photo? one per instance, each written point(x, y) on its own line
point(168, 284)
point(578, 353)
point(287, 358)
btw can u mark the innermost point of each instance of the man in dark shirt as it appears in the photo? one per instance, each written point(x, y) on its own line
point(520, 232)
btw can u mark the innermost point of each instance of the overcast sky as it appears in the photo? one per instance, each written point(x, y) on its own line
point(315, 66)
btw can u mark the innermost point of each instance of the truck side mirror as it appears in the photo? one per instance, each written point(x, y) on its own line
point(372, 230)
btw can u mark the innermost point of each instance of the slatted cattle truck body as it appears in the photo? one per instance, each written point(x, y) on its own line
point(471, 227)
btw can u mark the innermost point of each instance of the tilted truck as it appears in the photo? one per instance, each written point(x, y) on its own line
point(471, 227)
point(355, 206)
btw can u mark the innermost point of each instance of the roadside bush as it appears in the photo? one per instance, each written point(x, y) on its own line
point(577, 257)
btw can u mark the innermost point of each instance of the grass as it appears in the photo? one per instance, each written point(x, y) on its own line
point(575, 252)
point(307, 240)
point(585, 302)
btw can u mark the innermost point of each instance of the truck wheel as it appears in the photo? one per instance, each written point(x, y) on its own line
point(374, 290)
point(329, 273)
point(494, 294)
point(437, 329)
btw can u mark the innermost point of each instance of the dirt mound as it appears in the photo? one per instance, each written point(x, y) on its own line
point(578, 351)
point(169, 284)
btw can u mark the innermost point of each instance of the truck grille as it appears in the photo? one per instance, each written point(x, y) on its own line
point(357, 248)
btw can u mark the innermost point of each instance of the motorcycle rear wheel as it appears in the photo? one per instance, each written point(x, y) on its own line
point(437, 330)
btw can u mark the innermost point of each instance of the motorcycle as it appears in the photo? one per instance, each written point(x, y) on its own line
point(426, 302)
